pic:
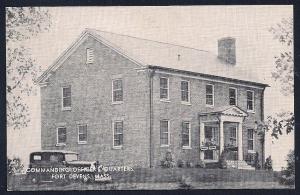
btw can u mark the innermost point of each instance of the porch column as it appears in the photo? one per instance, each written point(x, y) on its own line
point(201, 140)
point(221, 136)
point(240, 141)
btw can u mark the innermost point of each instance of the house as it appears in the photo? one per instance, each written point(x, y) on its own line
point(124, 100)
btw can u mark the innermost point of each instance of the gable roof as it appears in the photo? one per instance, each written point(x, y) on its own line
point(149, 53)
point(227, 110)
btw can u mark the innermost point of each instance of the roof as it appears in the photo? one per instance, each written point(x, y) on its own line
point(226, 110)
point(55, 151)
point(171, 56)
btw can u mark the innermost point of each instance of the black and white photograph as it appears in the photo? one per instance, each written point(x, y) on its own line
point(150, 97)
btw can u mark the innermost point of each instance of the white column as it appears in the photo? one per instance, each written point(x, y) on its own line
point(221, 136)
point(201, 140)
point(240, 141)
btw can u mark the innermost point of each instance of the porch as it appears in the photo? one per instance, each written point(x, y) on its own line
point(221, 129)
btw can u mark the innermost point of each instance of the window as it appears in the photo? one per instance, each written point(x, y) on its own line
point(164, 88)
point(66, 98)
point(89, 56)
point(250, 100)
point(186, 135)
point(185, 91)
point(117, 88)
point(164, 133)
point(118, 134)
point(232, 96)
point(232, 136)
point(250, 139)
point(37, 157)
point(210, 95)
point(82, 134)
point(61, 135)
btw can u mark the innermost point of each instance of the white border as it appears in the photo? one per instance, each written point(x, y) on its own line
point(164, 145)
point(213, 94)
point(189, 146)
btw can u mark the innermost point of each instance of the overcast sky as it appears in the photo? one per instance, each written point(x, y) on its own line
point(194, 26)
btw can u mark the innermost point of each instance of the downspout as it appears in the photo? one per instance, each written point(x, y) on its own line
point(262, 118)
point(151, 73)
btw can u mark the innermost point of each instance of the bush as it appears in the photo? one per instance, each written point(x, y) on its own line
point(14, 166)
point(268, 164)
point(257, 162)
point(222, 160)
point(201, 164)
point(288, 174)
point(180, 163)
point(185, 183)
point(168, 162)
point(189, 164)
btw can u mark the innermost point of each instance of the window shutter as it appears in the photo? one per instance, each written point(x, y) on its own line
point(89, 56)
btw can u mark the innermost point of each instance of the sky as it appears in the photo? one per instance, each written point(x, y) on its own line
point(194, 26)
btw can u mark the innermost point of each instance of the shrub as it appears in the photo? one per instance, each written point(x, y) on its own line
point(288, 173)
point(168, 162)
point(201, 164)
point(180, 163)
point(189, 164)
point(14, 166)
point(256, 161)
point(268, 164)
point(185, 183)
point(222, 160)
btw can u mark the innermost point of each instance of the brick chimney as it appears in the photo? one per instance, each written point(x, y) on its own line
point(226, 50)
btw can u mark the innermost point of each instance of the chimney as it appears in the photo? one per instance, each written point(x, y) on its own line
point(226, 50)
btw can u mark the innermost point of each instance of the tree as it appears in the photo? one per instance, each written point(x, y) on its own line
point(21, 24)
point(288, 173)
point(284, 72)
point(268, 164)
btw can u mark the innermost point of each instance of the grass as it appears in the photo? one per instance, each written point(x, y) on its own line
point(174, 178)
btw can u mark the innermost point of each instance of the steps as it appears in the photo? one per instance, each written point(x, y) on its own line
point(238, 164)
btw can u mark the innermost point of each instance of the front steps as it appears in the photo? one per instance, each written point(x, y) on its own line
point(238, 164)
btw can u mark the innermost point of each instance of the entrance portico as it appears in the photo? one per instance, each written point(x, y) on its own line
point(221, 129)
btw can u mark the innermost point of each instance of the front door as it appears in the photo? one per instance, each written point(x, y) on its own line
point(211, 139)
point(231, 140)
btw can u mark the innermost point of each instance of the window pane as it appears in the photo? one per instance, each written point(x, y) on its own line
point(118, 127)
point(185, 96)
point(163, 93)
point(163, 83)
point(62, 136)
point(250, 133)
point(250, 144)
point(184, 85)
point(66, 91)
point(232, 96)
point(164, 135)
point(249, 95)
point(250, 105)
point(67, 102)
point(118, 95)
point(117, 84)
point(209, 99)
point(209, 89)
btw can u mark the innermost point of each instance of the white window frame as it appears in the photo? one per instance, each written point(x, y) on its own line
point(168, 89)
point(253, 102)
point(78, 133)
point(213, 96)
point(164, 145)
point(112, 91)
point(57, 143)
point(113, 130)
point(189, 146)
point(62, 98)
point(189, 92)
point(236, 100)
point(253, 141)
point(89, 55)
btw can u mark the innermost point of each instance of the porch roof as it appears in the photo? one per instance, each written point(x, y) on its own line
point(226, 110)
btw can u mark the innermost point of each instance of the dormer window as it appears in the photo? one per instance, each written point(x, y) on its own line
point(89, 56)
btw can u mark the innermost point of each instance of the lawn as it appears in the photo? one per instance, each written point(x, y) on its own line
point(175, 178)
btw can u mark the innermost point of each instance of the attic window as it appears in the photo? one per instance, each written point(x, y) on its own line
point(89, 56)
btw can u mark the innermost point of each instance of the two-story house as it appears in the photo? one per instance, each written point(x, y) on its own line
point(124, 100)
